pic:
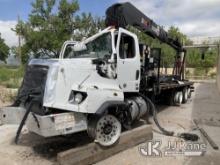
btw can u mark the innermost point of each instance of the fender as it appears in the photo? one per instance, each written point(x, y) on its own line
point(104, 107)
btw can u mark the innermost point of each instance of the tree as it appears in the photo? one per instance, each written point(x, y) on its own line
point(87, 25)
point(168, 53)
point(45, 31)
point(15, 51)
point(4, 49)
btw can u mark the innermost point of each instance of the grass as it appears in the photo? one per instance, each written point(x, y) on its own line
point(11, 77)
point(201, 73)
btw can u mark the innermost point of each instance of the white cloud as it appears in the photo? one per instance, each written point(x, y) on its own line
point(193, 17)
point(5, 29)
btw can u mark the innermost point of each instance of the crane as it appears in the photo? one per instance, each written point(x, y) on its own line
point(124, 14)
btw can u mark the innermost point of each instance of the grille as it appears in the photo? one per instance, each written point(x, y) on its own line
point(34, 81)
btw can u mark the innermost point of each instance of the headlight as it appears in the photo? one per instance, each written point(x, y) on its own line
point(77, 97)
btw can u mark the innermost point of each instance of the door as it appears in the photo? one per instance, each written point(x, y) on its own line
point(128, 61)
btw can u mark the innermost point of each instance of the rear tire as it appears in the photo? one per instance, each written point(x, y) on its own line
point(185, 95)
point(189, 93)
point(178, 98)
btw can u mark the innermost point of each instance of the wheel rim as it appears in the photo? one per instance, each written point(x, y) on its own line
point(108, 130)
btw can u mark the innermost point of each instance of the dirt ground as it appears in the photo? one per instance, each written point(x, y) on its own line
point(204, 106)
point(6, 96)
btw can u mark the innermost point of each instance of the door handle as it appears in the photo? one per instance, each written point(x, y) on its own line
point(137, 74)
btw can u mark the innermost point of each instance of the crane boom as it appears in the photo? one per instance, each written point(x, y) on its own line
point(124, 14)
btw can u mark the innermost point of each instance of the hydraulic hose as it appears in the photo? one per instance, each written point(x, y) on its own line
point(185, 136)
point(23, 121)
point(154, 110)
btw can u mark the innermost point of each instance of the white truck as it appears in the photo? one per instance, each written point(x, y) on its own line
point(98, 85)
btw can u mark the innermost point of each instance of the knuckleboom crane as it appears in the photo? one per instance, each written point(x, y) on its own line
point(122, 15)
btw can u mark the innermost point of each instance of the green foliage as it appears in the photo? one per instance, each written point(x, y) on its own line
point(175, 33)
point(45, 31)
point(11, 77)
point(168, 53)
point(194, 58)
point(4, 49)
point(87, 25)
point(49, 27)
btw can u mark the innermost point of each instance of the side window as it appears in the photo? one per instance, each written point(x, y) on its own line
point(69, 52)
point(127, 47)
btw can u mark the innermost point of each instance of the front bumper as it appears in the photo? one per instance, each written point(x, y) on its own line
point(48, 125)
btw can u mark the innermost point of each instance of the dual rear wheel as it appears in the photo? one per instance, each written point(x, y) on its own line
point(186, 94)
point(180, 97)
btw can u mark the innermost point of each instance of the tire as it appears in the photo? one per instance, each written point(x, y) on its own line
point(178, 98)
point(189, 93)
point(105, 130)
point(185, 95)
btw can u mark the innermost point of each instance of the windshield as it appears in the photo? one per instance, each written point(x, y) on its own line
point(98, 48)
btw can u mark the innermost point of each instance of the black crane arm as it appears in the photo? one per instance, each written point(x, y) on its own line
point(124, 14)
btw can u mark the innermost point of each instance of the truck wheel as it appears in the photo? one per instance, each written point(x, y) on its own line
point(189, 93)
point(185, 95)
point(178, 98)
point(105, 130)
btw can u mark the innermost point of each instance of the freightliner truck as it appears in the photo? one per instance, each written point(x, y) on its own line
point(102, 84)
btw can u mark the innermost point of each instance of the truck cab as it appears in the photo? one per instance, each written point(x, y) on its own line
point(89, 78)
point(117, 49)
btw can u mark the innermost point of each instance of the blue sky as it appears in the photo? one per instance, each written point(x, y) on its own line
point(9, 9)
point(193, 17)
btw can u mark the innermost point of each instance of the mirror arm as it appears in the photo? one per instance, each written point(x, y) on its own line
point(113, 59)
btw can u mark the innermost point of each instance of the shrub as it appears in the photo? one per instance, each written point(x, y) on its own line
point(11, 77)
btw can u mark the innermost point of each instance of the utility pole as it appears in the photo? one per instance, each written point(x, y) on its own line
point(19, 42)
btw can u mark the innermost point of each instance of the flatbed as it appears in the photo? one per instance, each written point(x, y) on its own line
point(165, 86)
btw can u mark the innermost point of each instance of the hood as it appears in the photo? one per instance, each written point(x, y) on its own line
point(43, 62)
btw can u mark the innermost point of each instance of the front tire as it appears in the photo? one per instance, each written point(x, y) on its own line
point(105, 130)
